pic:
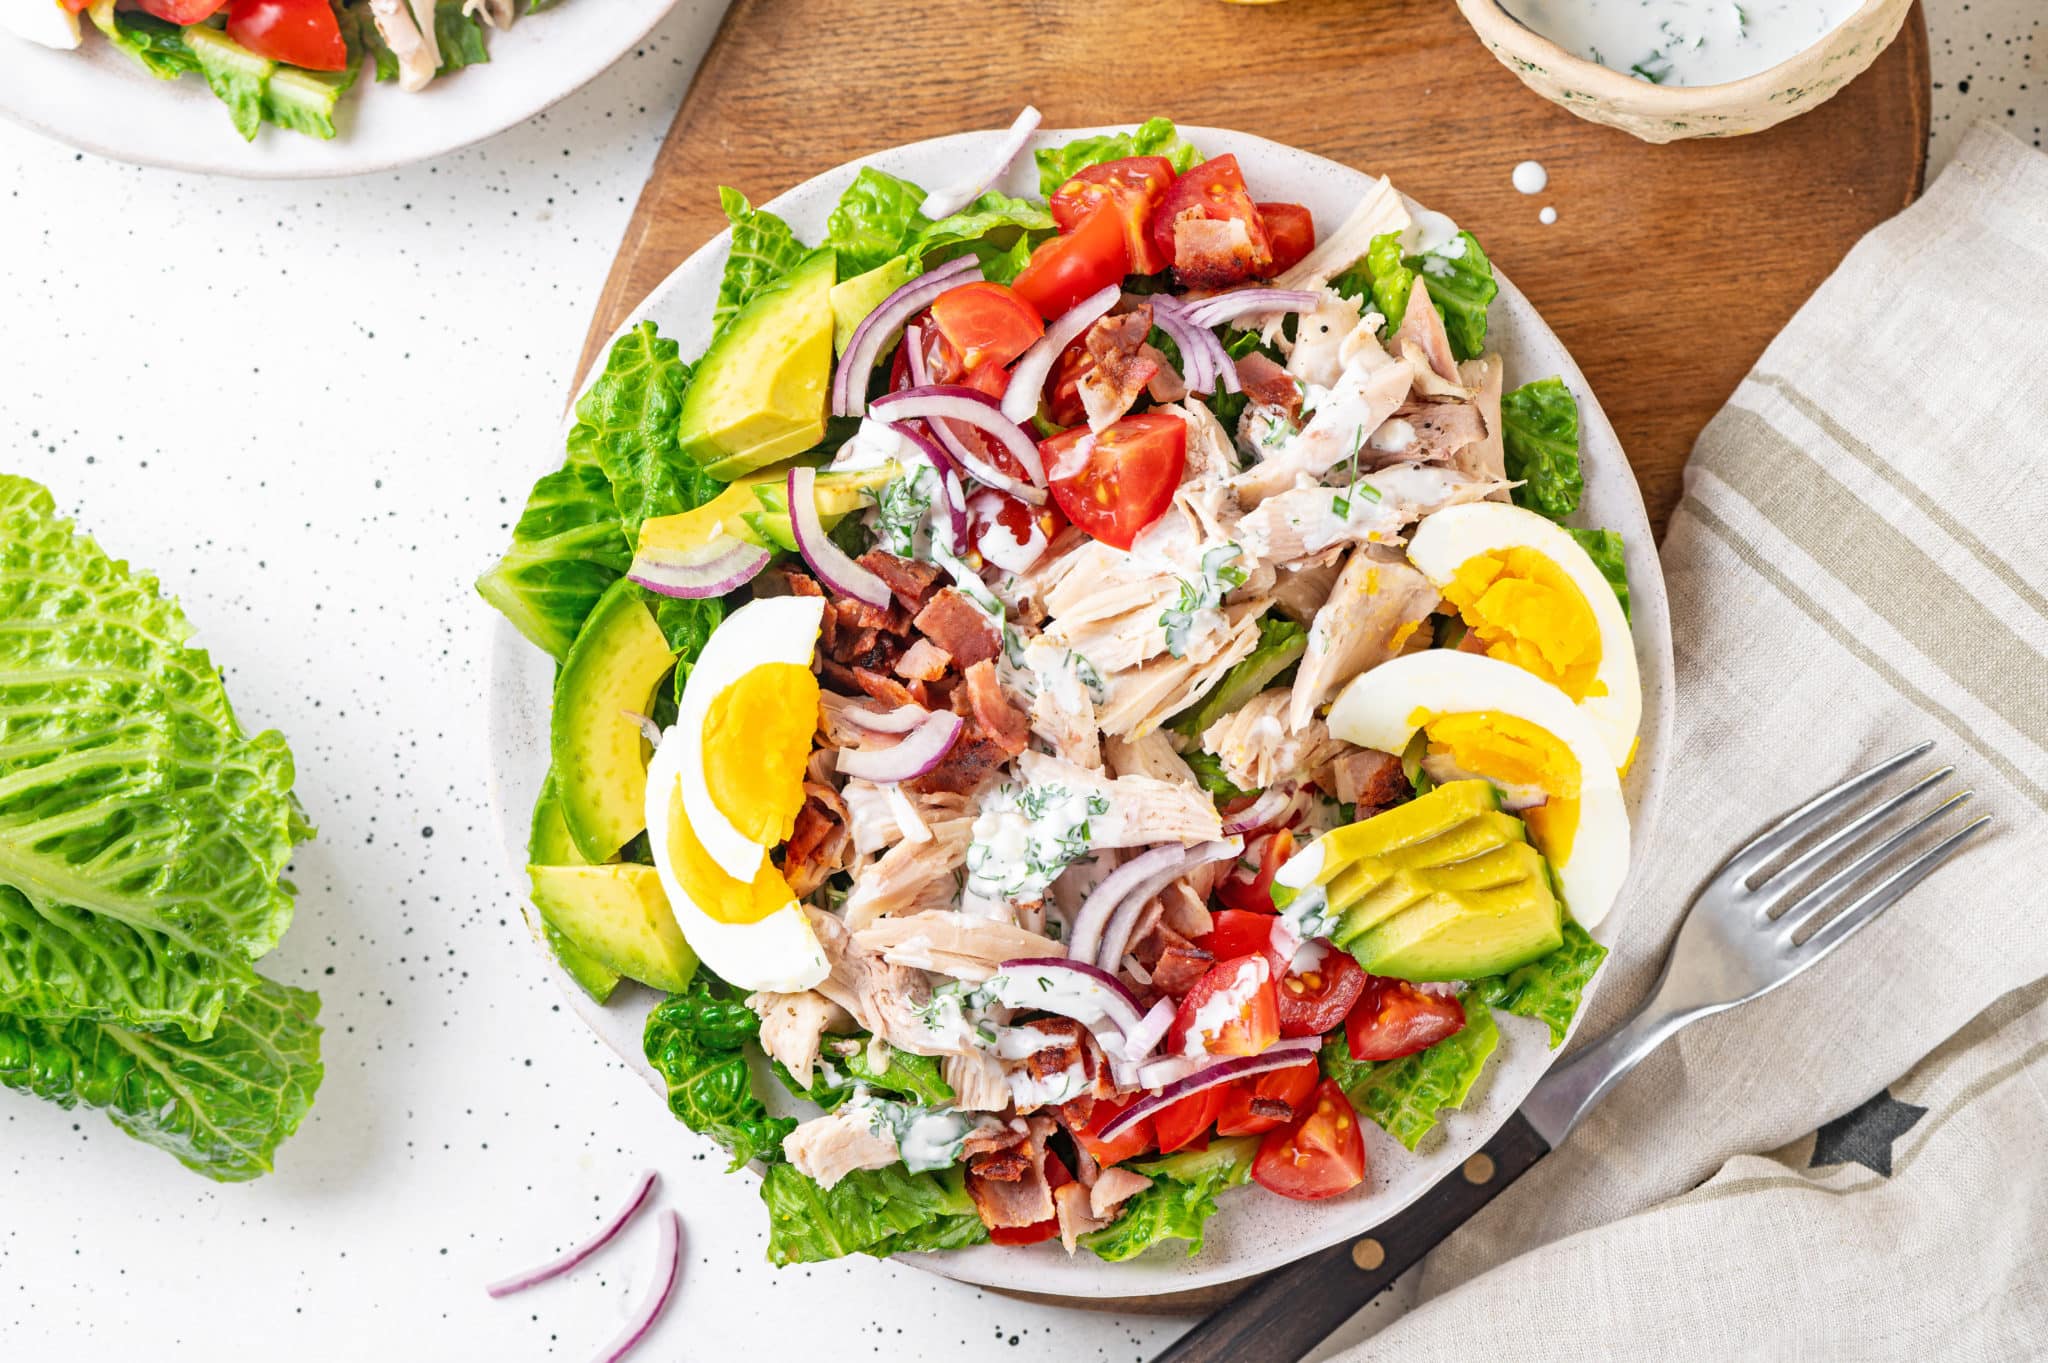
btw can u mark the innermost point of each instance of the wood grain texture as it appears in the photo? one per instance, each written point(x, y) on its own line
point(1668, 270)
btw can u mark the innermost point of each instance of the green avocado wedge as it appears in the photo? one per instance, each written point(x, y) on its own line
point(758, 395)
point(599, 754)
point(618, 915)
point(855, 298)
point(549, 844)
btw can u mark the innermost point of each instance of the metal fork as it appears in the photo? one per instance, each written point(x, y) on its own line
point(1750, 928)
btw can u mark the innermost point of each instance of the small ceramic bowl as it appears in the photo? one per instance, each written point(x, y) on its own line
point(1667, 113)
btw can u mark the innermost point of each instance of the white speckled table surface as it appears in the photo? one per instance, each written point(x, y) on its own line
point(305, 406)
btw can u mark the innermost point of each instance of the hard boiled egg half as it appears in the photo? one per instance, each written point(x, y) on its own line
point(725, 787)
point(1495, 720)
point(1534, 598)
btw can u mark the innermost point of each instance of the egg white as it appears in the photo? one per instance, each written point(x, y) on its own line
point(1376, 711)
point(780, 952)
point(773, 629)
point(1447, 540)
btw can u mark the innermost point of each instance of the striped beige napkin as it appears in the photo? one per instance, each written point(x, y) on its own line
point(1857, 1165)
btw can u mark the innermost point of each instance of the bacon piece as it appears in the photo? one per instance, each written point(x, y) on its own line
point(993, 1139)
point(800, 583)
point(887, 690)
point(957, 625)
point(1000, 720)
point(1374, 781)
point(1266, 382)
point(818, 842)
point(1067, 1046)
point(1180, 966)
point(1211, 253)
point(860, 615)
point(1009, 1188)
point(923, 661)
point(911, 581)
point(1122, 369)
point(968, 766)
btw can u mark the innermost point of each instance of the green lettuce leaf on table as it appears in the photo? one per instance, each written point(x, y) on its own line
point(696, 1041)
point(1548, 988)
point(1610, 556)
point(870, 1211)
point(764, 249)
point(1153, 137)
point(1180, 1201)
point(1540, 429)
point(1405, 1095)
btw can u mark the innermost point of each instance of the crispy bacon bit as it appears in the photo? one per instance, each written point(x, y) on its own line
point(800, 583)
point(1211, 253)
point(999, 719)
point(957, 625)
point(923, 661)
point(1180, 968)
point(968, 766)
point(1000, 1166)
point(887, 690)
point(1374, 781)
point(1009, 1188)
point(911, 581)
point(1121, 369)
point(1266, 382)
point(819, 842)
point(860, 615)
point(990, 1139)
point(1067, 1046)
point(1271, 1107)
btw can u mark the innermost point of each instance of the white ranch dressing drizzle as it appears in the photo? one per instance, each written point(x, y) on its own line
point(1684, 42)
point(1531, 177)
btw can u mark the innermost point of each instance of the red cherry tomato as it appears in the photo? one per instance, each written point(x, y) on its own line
point(1289, 1088)
point(181, 11)
point(1008, 532)
point(1068, 268)
point(1056, 1176)
point(1291, 231)
point(1062, 393)
point(1314, 1000)
point(1182, 1124)
point(1124, 478)
point(1238, 932)
point(1135, 1140)
point(1255, 893)
point(297, 32)
point(1213, 190)
point(986, 322)
point(1132, 187)
point(1393, 1018)
point(1320, 1155)
point(1248, 1028)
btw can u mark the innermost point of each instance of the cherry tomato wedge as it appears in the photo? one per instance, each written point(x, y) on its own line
point(1320, 1155)
point(1255, 893)
point(1009, 533)
point(1314, 999)
point(986, 322)
point(1393, 1018)
point(1213, 191)
point(298, 32)
point(1232, 1010)
point(1132, 187)
point(1265, 1101)
point(1115, 484)
point(1062, 395)
point(1184, 1123)
point(1291, 231)
point(181, 11)
point(1068, 268)
point(1135, 1140)
point(1056, 1175)
point(1237, 932)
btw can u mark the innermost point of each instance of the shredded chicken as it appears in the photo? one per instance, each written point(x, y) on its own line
point(1114, 1186)
point(1379, 212)
point(883, 996)
point(1143, 810)
point(1422, 328)
point(496, 13)
point(1308, 520)
point(1210, 454)
point(830, 1147)
point(1258, 748)
point(1372, 388)
point(1071, 1205)
point(1142, 699)
point(911, 876)
point(1152, 755)
point(1487, 458)
point(408, 30)
point(977, 1082)
point(956, 944)
point(1300, 588)
point(793, 1027)
point(1362, 625)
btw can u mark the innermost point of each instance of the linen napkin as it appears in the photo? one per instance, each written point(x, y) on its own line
point(1853, 1166)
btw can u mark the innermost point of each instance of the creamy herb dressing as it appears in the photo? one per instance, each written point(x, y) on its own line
point(1025, 836)
point(1223, 1007)
point(1683, 42)
point(1531, 178)
point(926, 1138)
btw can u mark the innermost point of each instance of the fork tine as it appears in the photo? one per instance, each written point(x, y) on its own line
point(1888, 892)
point(1830, 891)
point(1786, 879)
point(1803, 820)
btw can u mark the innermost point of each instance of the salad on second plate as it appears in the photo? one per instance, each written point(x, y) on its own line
point(1095, 694)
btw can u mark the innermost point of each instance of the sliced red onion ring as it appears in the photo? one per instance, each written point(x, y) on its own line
point(900, 720)
point(1226, 307)
point(668, 1263)
point(1263, 812)
point(944, 203)
point(957, 402)
point(649, 730)
point(864, 348)
point(949, 476)
point(1027, 378)
point(643, 1188)
point(1084, 940)
point(1071, 988)
point(1198, 370)
point(956, 448)
point(827, 559)
point(726, 564)
point(921, 750)
point(1116, 937)
point(1279, 1056)
point(1140, 1041)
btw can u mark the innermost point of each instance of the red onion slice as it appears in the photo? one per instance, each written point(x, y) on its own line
point(864, 348)
point(827, 559)
point(668, 1263)
point(944, 203)
point(955, 448)
point(1084, 940)
point(900, 720)
point(1227, 307)
point(725, 565)
point(1140, 1041)
point(1116, 936)
point(957, 402)
point(1198, 371)
point(1038, 981)
point(1263, 812)
point(643, 1188)
point(1027, 378)
point(921, 749)
point(949, 476)
point(1279, 1056)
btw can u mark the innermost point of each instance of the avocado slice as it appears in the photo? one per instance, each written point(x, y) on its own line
point(854, 299)
point(549, 844)
point(758, 395)
point(724, 514)
point(619, 916)
point(1463, 934)
point(600, 757)
point(1425, 817)
point(839, 495)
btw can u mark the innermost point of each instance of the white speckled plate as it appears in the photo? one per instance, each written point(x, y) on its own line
point(1255, 1231)
point(99, 99)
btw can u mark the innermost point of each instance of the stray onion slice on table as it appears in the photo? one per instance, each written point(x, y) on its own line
point(668, 1259)
point(519, 1282)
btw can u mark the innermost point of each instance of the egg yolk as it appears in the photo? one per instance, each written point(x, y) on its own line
point(720, 896)
point(756, 740)
point(1528, 611)
point(1511, 750)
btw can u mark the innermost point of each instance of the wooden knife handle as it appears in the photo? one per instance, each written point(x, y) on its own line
point(1283, 1316)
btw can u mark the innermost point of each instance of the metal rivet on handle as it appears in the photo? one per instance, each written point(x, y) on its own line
point(1479, 1169)
point(1368, 1254)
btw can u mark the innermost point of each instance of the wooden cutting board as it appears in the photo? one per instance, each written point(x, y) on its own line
point(1666, 273)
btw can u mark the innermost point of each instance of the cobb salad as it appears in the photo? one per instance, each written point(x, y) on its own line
point(283, 62)
point(1090, 692)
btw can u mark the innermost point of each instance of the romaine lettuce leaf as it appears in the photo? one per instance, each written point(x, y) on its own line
point(626, 425)
point(874, 221)
point(1208, 770)
point(991, 225)
point(142, 832)
point(158, 44)
point(237, 76)
point(1462, 286)
point(221, 1106)
point(1550, 987)
point(566, 549)
point(460, 37)
point(1281, 644)
point(1610, 556)
point(1180, 1201)
point(1540, 429)
point(764, 249)
point(1392, 279)
point(1153, 137)
point(874, 1211)
point(916, 1078)
point(686, 622)
point(1404, 1095)
point(696, 1042)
